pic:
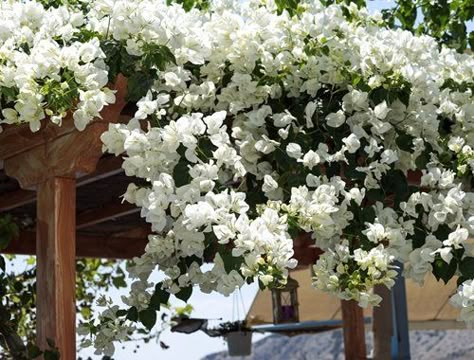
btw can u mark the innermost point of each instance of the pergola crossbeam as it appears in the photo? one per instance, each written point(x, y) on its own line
point(107, 167)
point(111, 211)
point(93, 246)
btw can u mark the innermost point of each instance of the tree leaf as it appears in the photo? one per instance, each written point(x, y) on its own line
point(148, 318)
point(51, 355)
point(132, 314)
point(466, 267)
point(119, 281)
point(33, 351)
point(444, 271)
point(159, 297)
point(185, 293)
point(405, 142)
point(138, 85)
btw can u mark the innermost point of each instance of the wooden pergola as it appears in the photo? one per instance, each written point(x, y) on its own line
point(59, 178)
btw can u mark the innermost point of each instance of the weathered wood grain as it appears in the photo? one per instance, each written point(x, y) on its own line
point(354, 330)
point(56, 266)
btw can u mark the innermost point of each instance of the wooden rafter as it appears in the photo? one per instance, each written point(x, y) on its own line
point(106, 167)
point(95, 246)
point(109, 211)
point(17, 198)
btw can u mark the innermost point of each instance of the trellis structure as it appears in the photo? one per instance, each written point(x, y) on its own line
point(72, 190)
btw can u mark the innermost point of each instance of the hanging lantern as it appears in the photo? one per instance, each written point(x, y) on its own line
point(285, 303)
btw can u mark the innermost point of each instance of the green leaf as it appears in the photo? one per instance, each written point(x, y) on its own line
point(395, 182)
point(157, 56)
point(148, 318)
point(466, 267)
point(121, 312)
point(2, 263)
point(159, 297)
point(51, 355)
point(132, 314)
point(138, 85)
point(33, 351)
point(185, 293)
point(471, 40)
point(119, 282)
point(405, 142)
point(375, 195)
point(444, 271)
point(86, 312)
point(368, 214)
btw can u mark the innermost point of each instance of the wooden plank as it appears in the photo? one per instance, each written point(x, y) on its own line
point(16, 139)
point(96, 246)
point(107, 167)
point(354, 330)
point(382, 324)
point(56, 276)
point(17, 198)
point(73, 155)
point(108, 212)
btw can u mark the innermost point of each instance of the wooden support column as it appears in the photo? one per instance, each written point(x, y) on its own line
point(56, 265)
point(382, 324)
point(354, 330)
point(49, 161)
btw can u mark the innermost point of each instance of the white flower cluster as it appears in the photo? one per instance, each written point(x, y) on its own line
point(187, 216)
point(352, 276)
point(263, 125)
point(113, 328)
point(44, 71)
point(464, 299)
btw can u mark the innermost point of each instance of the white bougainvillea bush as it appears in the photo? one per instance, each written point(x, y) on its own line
point(255, 124)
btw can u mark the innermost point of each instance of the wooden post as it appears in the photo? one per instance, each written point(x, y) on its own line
point(56, 265)
point(50, 160)
point(354, 330)
point(383, 325)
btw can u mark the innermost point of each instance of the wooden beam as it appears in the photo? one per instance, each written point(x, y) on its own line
point(56, 266)
point(17, 198)
point(97, 246)
point(382, 324)
point(109, 211)
point(354, 330)
point(107, 167)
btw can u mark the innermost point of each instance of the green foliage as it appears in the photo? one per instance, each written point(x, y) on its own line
point(190, 4)
point(159, 297)
point(185, 293)
point(444, 271)
point(141, 71)
point(8, 230)
point(148, 318)
point(443, 19)
point(60, 96)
